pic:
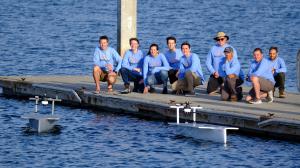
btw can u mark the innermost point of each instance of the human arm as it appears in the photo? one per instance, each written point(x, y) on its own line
point(234, 68)
point(282, 66)
point(209, 62)
point(118, 59)
point(125, 61)
point(96, 58)
point(165, 64)
point(145, 69)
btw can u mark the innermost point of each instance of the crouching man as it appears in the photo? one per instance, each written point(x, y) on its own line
point(261, 76)
point(107, 63)
point(233, 77)
point(190, 72)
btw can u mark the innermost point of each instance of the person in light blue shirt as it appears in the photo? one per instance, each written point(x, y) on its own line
point(155, 69)
point(132, 67)
point(173, 56)
point(279, 70)
point(190, 71)
point(107, 63)
point(233, 77)
point(261, 76)
point(213, 60)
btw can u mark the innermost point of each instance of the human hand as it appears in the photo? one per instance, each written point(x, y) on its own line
point(146, 90)
point(109, 67)
point(216, 75)
point(177, 74)
point(137, 69)
point(230, 76)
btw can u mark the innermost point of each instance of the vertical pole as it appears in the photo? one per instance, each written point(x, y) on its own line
point(127, 16)
point(177, 114)
point(36, 104)
point(298, 69)
point(53, 106)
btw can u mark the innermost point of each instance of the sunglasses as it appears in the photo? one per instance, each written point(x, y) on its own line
point(220, 39)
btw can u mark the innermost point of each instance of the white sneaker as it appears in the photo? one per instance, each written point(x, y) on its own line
point(255, 101)
point(270, 97)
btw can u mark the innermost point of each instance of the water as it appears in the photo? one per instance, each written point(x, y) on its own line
point(92, 138)
point(45, 37)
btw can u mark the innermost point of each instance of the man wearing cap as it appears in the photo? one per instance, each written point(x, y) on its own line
point(213, 60)
point(261, 76)
point(233, 77)
point(107, 63)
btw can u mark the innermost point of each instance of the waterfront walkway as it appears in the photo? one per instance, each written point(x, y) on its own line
point(281, 118)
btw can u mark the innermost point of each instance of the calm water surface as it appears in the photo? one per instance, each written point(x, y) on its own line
point(45, 37)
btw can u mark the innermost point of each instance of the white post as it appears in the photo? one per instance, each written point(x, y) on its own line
point(298, 69)
point(177, 111)
point(127, 14)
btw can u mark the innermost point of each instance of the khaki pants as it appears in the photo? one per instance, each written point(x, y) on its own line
point(190, 81)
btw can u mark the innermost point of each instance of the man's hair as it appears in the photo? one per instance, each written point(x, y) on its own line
point(273, 48)
point(185, 43)
point(170, 38)
point(103, 38)
point(257, 49)
point(134, 39)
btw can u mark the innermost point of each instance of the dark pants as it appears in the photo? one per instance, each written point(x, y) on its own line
point(128, 76)
point(158, 78)
point(280, 79)
point(190, 81)
point(172, 75)
point(214, 83)
point(232, 87)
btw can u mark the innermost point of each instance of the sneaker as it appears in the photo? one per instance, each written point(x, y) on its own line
point(270, 97)
point(165, 90)
point(255, 101)
point(125, 91)
point(282, 94)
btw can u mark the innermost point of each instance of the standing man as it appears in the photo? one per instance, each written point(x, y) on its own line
point(107, 63)
point(261, 76)
point(214, 57)
point(173, 56)
point(155, 69)
point(233, 77)
point(279, 70)
point(190, 71)
point(132, 67)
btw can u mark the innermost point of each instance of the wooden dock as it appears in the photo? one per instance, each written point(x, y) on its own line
point(279, 119)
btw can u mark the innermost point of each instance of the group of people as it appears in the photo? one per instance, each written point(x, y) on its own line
point(182, 68)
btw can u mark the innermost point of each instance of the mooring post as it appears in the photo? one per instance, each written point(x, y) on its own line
point(298, 70)
point(127, 14)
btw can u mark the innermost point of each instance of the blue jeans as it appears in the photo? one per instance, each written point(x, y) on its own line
point(158, 78)
point(128, 76)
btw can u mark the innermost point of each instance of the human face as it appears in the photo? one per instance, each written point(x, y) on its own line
point(222, 41)
point(153, 51)
point(134, 45)
point(171, 45)
point(186, 50)
point(228, 55)
point(103, 44)
point(273, 54)
point(257, 55)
